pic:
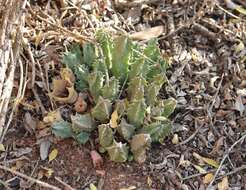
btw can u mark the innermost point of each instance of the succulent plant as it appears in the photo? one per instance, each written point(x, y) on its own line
point(126, 130)
point(106, 135)
point(118, 151)
point(139, 144)
point(124, 80)
point(83, 122)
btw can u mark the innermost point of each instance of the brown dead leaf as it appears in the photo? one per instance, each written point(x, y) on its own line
point(242, 122)
point(239, 105)
point(80, 105)
point(148, 33)
point(242, 85)
point(48, 172)
point(41, 125)
point(227, 94)
point(30, 123)
point(18, 165)
point(44, 171)
point(70, 98)
point(208, 161)
point(59, 87)
point(217, 147)
point(224, 184)
point(40, 174)
point(222, 113)
point(44, 132)
point(208, 178)
point(232, 124)
point(96, 159)
point(51, 117)
point(67, 75)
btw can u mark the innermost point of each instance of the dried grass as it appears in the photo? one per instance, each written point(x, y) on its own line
point(11, 22)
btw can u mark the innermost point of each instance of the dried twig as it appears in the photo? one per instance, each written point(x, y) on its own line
point(210, 108)
point(187, 24)
point(43, 110)
point(5, 20)
point(236, 170)
point(41, 183)
point(6, 186)
point(76, 36)
point(29, 51)
point(224, 158)
point(171, 34)
point(63, 183)
point(197, 175)
point(205, 32)
point(14, 160)
point(127, 4)
point(9, 56)
point(84, 14)
point(190, 137)
point(229, 13)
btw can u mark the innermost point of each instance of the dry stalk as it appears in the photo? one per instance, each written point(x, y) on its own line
point(12, 22)
point(41, 183)
point(68, 187)
point(42, 16)
point(240, 140)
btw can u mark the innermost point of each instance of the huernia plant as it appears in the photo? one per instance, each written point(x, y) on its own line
point(124, 80)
